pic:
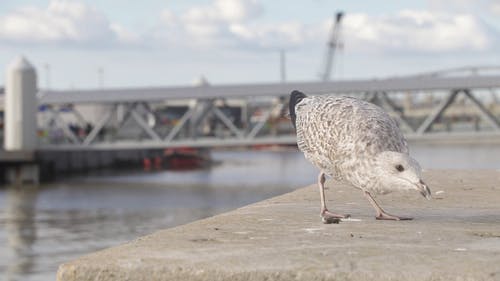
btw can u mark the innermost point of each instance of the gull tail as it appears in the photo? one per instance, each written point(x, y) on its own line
point(295, 98)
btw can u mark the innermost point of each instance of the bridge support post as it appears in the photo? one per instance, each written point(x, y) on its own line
point(20, 118)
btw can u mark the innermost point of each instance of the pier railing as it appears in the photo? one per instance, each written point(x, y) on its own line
point(424, 107)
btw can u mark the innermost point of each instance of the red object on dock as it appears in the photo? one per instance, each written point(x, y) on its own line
point(158, 162)
point(185, 158)
point(146, 163)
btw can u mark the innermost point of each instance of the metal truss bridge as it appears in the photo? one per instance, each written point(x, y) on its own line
point(448, 105)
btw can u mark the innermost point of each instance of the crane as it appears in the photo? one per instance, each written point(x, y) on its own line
point(333, 44)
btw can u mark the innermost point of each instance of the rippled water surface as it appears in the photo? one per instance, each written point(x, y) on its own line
point(45, 226)
point(41, 227)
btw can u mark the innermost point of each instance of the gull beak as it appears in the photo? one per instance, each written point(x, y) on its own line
point(424, 190)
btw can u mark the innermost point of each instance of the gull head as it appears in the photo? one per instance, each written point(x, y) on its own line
point(397, 170)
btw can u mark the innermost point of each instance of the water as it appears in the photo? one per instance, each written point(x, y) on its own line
point(45, 226)
point(41, 227)
point(457, 156)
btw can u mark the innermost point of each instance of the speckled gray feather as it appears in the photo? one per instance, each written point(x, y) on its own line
point(342, 136)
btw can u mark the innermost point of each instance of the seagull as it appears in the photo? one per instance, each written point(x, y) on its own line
point(357, 142)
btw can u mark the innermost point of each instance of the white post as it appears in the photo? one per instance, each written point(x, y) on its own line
point(20, 107)
point(20, 119)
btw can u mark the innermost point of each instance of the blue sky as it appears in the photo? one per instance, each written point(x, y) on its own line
point(160, 43)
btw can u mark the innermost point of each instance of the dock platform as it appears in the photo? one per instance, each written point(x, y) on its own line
point(16, 156)
point(455, 236)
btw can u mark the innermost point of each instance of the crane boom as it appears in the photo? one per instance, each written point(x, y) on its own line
point(332, 45)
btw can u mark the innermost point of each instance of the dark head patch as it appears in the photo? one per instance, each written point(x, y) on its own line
point(295, 98)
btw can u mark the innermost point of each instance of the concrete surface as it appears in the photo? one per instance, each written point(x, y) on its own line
point(456, 236)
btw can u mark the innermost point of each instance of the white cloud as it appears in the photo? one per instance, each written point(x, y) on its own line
point(168, 18)
point(494, 7)
point(232, 22)
point(286, 34)
point(235, 23)
point(124, 35)
point(62, 21)
point(223, 11)
point(239, 10)
point(416, 31)
point(210, 25)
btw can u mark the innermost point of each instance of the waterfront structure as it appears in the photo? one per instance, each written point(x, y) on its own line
point(425, 106)
point(443, 106)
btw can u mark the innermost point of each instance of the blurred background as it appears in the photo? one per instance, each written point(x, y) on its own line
point(141, 116)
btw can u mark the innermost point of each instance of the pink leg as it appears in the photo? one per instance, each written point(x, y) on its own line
point(381, 214)
point(327, 216)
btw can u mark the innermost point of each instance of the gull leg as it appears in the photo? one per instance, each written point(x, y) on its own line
point(327, 216)
point(381, 214)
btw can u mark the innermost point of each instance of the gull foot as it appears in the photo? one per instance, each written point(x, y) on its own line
point(328, 217)
point(385, 216)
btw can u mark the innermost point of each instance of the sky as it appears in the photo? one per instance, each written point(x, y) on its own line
point(77, 44)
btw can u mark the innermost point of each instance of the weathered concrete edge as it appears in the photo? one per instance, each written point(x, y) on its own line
point(147, 258)
point(71, 271)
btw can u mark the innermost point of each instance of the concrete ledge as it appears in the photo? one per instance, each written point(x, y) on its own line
point(454, 237)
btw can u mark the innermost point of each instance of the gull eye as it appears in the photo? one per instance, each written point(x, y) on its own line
point(400, 168)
